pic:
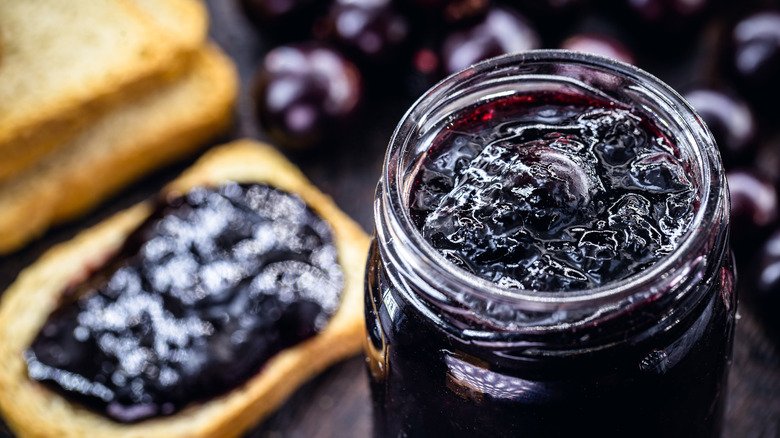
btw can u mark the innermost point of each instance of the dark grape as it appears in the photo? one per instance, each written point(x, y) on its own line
point(305, 92)
point(753, 55)
point(502, 31)
point(731, 121)
point(754, 210)
point(765, 281)
point(372, 29)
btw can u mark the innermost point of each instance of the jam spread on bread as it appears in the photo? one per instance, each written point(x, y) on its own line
point(206, 291)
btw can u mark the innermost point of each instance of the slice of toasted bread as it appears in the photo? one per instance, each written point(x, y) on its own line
point(184, 22)
point(123, 145)
point(32, 410)
point(65, 63)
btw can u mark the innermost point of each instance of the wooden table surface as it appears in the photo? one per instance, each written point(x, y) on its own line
point(337, 403)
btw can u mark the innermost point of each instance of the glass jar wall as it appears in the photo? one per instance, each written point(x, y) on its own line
point(452, 353)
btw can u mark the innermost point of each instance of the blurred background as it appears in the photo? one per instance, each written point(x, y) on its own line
point(326, 81)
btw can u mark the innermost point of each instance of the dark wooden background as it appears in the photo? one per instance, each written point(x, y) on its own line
point(337, 403)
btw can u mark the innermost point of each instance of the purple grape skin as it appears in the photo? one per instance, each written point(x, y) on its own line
point(501, 31)
point(765, 281)
point(753, 55)
point(731, 121)
point(304, 92)
point(371, 29)
point(754, 211)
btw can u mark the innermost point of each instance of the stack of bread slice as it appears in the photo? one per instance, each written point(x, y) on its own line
point(96, 94)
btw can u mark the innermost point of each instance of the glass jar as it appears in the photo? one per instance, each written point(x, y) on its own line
point(451, 354)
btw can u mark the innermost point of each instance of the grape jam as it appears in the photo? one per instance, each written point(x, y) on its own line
point(213, 285)
point(550, 259)
point(551, 193)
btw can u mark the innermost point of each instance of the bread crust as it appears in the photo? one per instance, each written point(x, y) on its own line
point(122, 146)
point(160, 42)
point(32, 410)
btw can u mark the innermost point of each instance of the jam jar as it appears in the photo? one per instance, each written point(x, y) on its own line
point(550, 258)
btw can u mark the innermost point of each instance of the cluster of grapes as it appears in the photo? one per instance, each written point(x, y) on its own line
point(330, 55)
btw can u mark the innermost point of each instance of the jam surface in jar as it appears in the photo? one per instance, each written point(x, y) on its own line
point(206, 291)
point(551, 192)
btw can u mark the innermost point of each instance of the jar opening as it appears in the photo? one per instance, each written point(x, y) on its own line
point(549, 71)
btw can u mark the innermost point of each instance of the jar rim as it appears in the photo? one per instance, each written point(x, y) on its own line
point(428, 264)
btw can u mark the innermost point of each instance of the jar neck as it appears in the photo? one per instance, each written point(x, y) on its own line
point(482, 310)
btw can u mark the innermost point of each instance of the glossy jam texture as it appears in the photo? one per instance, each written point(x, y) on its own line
point(201, 296)
point(552, 192)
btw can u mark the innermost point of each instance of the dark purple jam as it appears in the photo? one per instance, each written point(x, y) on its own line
point(429, 380)
point(201, 296)
point(552, 192)
point(548, 192)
